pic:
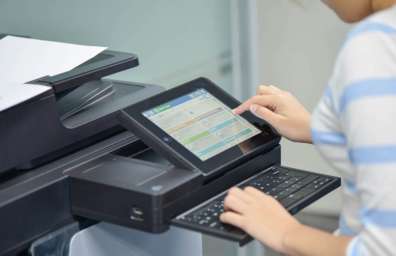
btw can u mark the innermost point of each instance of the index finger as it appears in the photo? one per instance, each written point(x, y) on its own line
point(262, 100)
point(267, 89)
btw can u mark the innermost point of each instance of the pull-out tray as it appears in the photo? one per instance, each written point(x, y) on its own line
point(303, 189)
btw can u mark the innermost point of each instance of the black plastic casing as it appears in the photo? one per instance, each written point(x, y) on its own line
point(106, 63)
point(109, 191)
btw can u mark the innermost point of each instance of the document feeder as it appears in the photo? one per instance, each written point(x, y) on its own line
point(62, 120)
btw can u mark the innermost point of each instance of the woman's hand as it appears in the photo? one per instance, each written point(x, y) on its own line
point(261, 216)
point(281, 110)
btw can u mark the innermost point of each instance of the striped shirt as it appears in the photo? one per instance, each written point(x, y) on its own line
point(354, 128)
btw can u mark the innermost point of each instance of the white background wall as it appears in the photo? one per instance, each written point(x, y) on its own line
point(298, 44)
point(175, 40)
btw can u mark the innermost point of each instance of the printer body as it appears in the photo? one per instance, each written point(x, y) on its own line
point(59, 168)
point(67, 157)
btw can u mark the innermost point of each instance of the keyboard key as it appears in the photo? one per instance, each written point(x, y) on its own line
point(295, 197)
point(214, 224)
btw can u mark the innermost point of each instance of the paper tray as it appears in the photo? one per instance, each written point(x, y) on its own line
point(106, 63)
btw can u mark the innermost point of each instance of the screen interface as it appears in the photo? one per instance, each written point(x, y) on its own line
point(201, 123)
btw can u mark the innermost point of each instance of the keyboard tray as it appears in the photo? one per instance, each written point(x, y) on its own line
point(294, 189)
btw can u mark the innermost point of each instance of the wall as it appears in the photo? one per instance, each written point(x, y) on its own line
point(175, 40)
point(298, 43)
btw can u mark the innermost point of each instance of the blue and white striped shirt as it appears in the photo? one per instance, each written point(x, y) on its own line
point(354, 128)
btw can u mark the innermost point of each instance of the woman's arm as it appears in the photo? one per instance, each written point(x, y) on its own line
point(307, 241)
point(265, 219)
point(281, 110)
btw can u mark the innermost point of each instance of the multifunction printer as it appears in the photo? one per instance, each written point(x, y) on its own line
point(79, 154)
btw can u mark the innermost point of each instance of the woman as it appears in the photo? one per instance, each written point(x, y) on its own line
point(354, 127)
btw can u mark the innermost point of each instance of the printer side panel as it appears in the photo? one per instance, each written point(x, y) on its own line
point(116, 205)
point(27, 218)
point(26, 130)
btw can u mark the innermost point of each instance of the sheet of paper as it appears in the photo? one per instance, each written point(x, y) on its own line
point(18, 93)
point(23, 60)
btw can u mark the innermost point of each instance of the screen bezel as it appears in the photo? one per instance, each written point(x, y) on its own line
point(264, 141)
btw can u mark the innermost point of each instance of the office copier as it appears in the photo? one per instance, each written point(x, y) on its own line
point(45, 136)
point(50, 144)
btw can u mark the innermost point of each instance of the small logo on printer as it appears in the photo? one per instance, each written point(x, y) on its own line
point(166, 139)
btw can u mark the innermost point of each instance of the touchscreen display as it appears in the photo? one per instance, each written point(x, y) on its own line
point(201, 123)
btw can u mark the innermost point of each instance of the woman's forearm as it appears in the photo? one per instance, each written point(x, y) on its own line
point(307, 241)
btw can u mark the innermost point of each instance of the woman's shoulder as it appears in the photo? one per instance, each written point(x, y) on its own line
point(371, 45)
point(380, 24)
point(368, 52)
point(387, 17)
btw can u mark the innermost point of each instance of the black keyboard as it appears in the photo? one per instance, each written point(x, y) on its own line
point(294, 189)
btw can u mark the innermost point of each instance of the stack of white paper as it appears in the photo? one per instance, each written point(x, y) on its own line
point(23, 60)
point(14, 93)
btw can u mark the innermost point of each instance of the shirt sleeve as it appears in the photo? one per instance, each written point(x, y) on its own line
point(365, 84)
